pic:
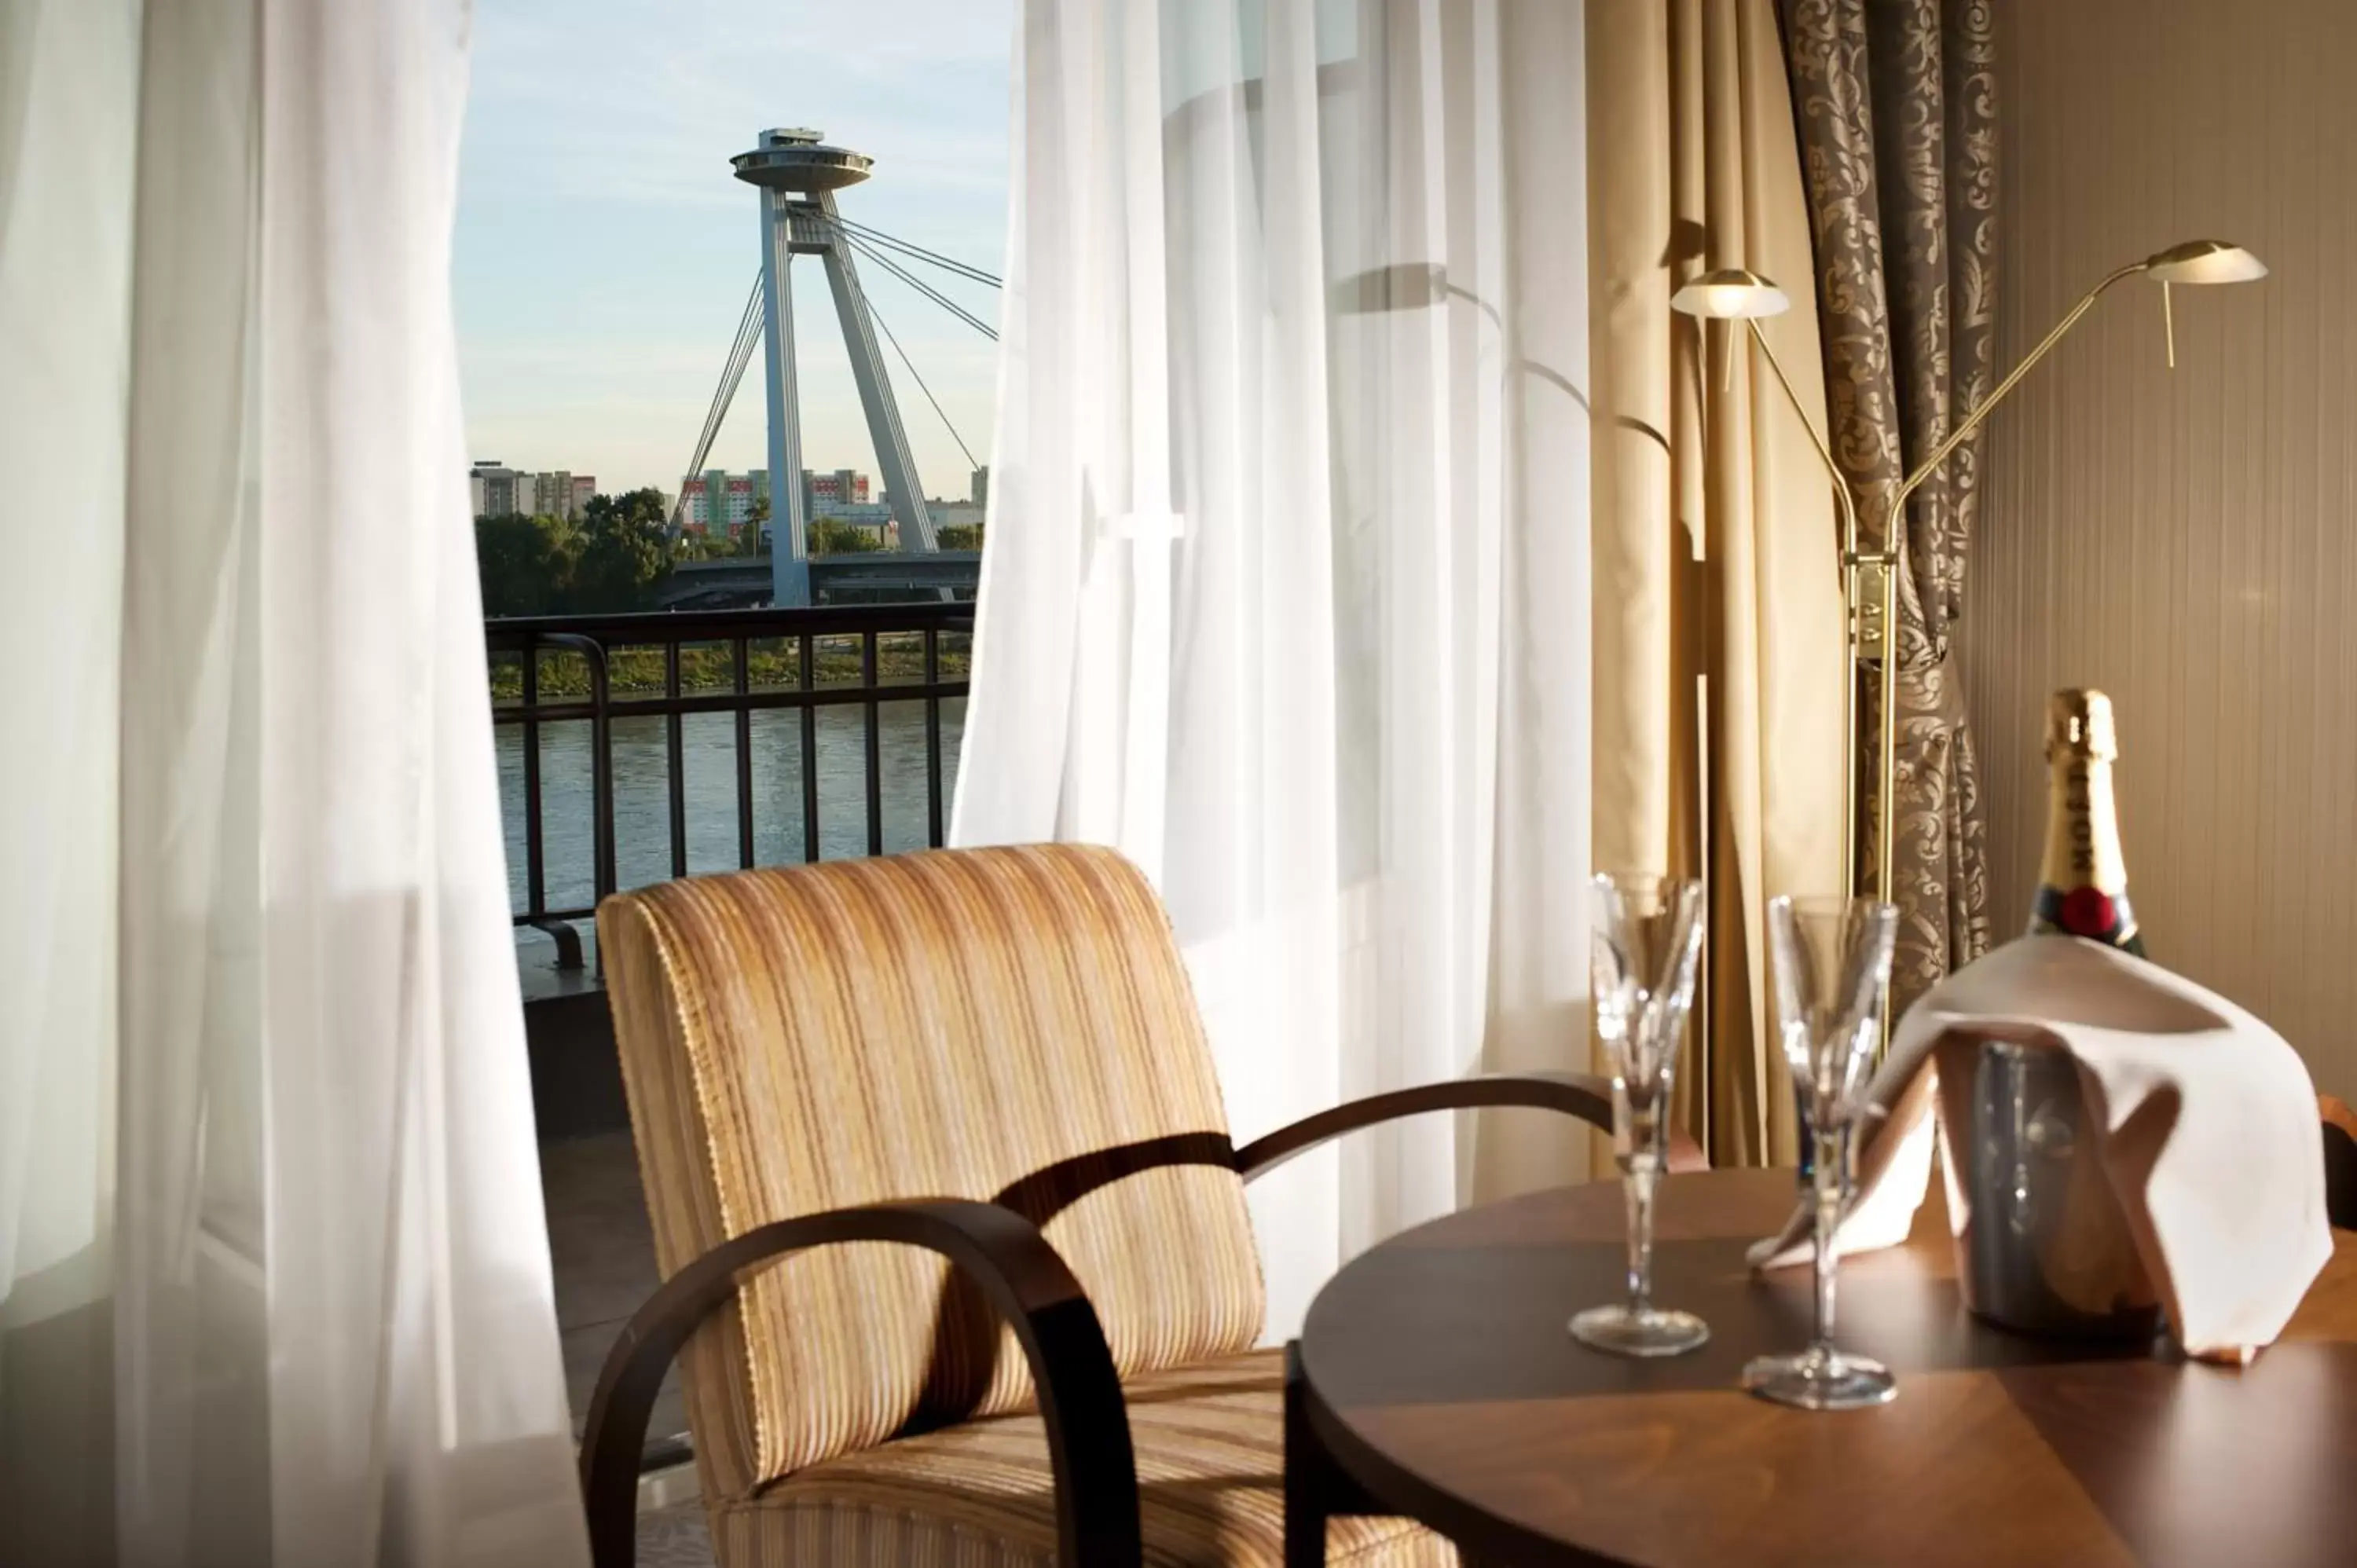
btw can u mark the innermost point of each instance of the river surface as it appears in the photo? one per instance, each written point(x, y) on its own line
point(709, 753)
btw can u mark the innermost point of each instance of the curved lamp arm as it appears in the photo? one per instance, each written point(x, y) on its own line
point(1972, 421)
point(1026, 1279)
point(1578, 1094)
point(1824, 453)
point(1894, 554)
point(1851, 560)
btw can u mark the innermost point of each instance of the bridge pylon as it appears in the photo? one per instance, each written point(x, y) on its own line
point(798, 176)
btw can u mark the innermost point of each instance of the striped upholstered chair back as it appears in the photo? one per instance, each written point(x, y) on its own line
point(989, 1024)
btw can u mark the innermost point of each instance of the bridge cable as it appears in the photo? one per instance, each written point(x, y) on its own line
point(730, 374)
point(734, 373)
point(921, 286)
point(741, 353)
point(750, 327)
point(877, 317)
point(752, 324)
point(949, 264)
point(919, 252)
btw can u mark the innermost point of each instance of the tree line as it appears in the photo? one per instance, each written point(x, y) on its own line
point(614, 557)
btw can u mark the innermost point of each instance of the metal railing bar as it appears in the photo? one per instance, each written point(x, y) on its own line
point(653, 628)
point(675, 760)
point(728, 702)
point(601, 786)
point(809, 753)
point(744, 650)
point(874, 756)
point(535, 850)
point(601, 757)
point(933, 834)
point(548, 918)
point(596, 637)
point(559, 929)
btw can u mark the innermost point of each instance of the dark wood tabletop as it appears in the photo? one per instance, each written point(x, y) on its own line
point(1438, 1374)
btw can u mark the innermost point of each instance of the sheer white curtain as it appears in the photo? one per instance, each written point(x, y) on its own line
point(274, 1277)
point(1286, 592)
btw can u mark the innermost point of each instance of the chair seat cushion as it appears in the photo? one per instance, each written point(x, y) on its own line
point(1210, 1474)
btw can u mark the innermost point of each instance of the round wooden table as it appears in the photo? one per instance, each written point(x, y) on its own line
point(1434, 1378)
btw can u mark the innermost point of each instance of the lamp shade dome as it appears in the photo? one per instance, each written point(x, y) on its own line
point(1730, 294)
point(2204, 260)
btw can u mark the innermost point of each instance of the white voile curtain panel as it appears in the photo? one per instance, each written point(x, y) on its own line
point(1287, 593)
point(274, 1276)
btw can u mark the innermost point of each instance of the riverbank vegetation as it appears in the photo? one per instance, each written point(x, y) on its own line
point(613, 559)
point(772, 664)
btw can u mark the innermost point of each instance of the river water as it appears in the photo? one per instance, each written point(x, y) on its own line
point(708, 754)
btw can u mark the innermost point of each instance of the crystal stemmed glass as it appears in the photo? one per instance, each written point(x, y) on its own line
point(1831, 960)
point(1646, 947)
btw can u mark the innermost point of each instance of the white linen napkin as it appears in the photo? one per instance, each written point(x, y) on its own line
point(2206, 1118)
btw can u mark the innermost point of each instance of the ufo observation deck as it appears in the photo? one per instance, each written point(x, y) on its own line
point(798, 161)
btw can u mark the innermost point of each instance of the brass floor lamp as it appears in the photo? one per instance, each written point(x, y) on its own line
point(1870, 578)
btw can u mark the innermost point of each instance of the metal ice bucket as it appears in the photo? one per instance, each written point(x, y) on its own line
point(2045, 1249)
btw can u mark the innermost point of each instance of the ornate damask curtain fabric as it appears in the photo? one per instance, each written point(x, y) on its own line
point(1897, 108)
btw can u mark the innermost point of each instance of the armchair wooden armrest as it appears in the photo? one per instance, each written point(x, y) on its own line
point(1583, 1095)
point(1080, 1393)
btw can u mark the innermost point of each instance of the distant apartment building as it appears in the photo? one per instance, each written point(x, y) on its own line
point(562, 494)
point(736, 510)
point(721, 502)
point(825, 495)
point(495, 491)
point(978, 489)
point(697, 503)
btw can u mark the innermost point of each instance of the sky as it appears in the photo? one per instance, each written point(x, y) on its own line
point(604, 248)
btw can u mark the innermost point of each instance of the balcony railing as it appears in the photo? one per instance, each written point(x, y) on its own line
point(798, 700)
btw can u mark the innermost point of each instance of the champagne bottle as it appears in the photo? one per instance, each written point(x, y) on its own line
point(2083, 887)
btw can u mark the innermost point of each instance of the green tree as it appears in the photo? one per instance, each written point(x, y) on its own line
point(692, 545)
point(526, 564)
point(625, 552)
point(960, 536)
point(833, 536)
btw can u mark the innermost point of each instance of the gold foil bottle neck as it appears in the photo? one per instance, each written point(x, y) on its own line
point(2079, 724)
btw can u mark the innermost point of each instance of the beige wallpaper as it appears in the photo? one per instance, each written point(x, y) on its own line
point(2186, 540)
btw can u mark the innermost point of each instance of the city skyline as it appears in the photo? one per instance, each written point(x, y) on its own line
point(603, 251)
point(946, 493)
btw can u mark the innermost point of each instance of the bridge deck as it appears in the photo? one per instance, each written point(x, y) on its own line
point(745, 580)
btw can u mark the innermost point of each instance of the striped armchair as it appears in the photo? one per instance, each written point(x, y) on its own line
point(954, 1243)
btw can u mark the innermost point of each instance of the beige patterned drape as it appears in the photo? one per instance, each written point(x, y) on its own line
point(1716, 593)
point(1897, 111)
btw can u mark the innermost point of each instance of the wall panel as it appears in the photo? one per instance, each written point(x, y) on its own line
point(2184, 540)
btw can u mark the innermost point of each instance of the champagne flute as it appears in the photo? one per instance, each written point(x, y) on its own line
point(1646, 947)
point(1831, 958)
